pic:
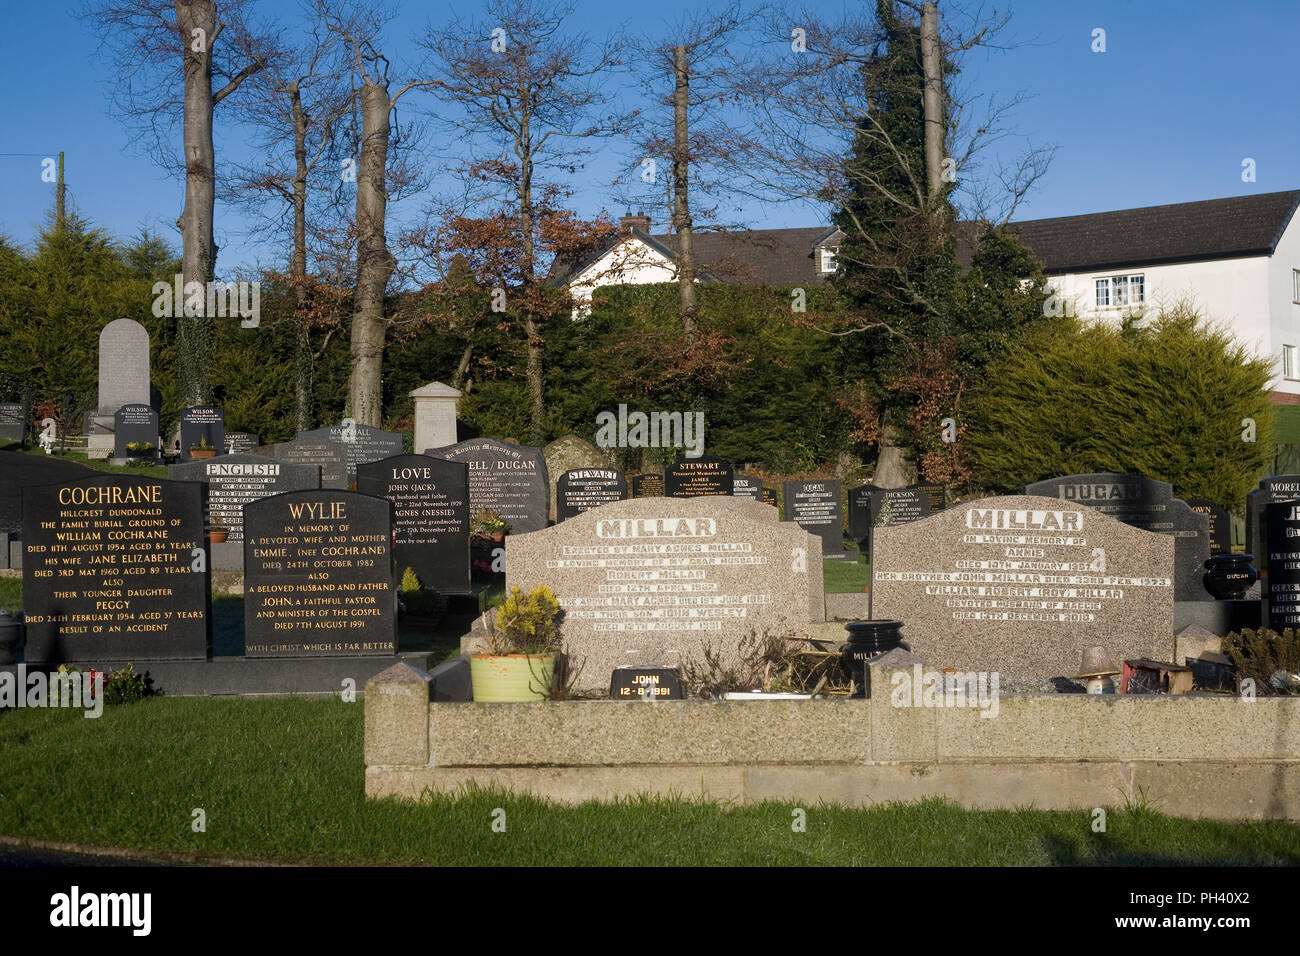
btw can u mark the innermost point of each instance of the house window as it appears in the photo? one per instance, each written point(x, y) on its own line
point(827, 259)
point(1288, 361)
point(1295, 285)
point(1119, 291)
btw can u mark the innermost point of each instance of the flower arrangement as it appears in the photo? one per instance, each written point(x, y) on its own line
point(488, 524)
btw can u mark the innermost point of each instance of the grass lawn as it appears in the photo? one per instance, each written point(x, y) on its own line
point(79, 458)
point(281, 779)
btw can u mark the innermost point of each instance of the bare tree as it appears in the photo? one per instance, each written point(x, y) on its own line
point(530, 95)
point(217, 51)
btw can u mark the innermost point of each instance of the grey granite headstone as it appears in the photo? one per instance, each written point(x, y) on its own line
point(202, 425)
point(330, 456)
point(815, 507)
point(123, 379)
point(581, 489)
point(510, 479)
point(1147, 504)
point(743, 486)
point(1021, 585)
point(236, 481)
point(362, 443)
point(655, 580)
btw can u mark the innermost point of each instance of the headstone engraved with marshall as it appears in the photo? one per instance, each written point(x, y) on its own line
point(362, 443)
point(329, 456)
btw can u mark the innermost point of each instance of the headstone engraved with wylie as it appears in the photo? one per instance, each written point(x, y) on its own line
point(329, 456)
point(362, 444)
point(1023, 584)
point(235, 481)
point(510, 479)
point(696, 477)
point(1147, 504)
point(1270, 491)
point(431, 515)
point(109, 570)
point(1220, 524)
point(202, 425)
point(582, 489)
point(655, 580)
point(123, 379)
point(1282, 590)
point(134, 424)
point(648, 486)
point(318, 576)
point(743, 486)
point(815, 507)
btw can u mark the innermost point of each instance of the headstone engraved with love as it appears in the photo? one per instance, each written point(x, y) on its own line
point(135, 425)
point(235, 481)
point(1147, 504)
point(318, 576)
point(1022, 585)
point(656, 580)
point(431, 515)
point(1220, 524)
point(815, 507)
point(743, 486)
point(329, 456)
point(361, 443)
point(115, 569)
point(510, 479)
point(648, 486)
point(695, 477)
point(582, 489)
point(202, 426)
point(1282, 588)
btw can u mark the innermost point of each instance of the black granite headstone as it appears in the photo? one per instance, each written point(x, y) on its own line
point(770, 498)
point(510, 479)
point(13, 421)
point(645, 683)
point(743, 486)
point(109, 570)
point(202, 424)
point(241, 443)
point(330, 456)
point(1148, 504)
point(581, 489)
point(134, 423)
point(318, 576)
point(815, 507)
point(696, 477)
point(1220, 524)
point(431, 515)
point(861, 517)
point(363, 444)
point(236, 480)
point(1273, 489)
point(936, 493)
point(648, 486)
point(1282, 588)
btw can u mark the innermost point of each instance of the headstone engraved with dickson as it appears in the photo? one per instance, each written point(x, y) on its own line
point(202, 426)
point(582, 489)
point(1282, 590)
point(510, 479)
point(1023, 584)
point(318, 576)
point(815, 507)
point(1147, 504)
point(657, 580)
point(236, 481)
point(695, 477)
point(362, 443)
point(871, 506)
point(329, 456)
point(648, 486)
point(431, 515)
point(109, 570)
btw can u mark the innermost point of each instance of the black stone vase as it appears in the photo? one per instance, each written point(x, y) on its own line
point(1229, 576)
point(868, 640)
point(10, 633)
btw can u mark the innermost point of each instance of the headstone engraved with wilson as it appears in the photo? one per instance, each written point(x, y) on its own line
point(330, 456)
point(696, 477)
point(582, 489)
point(655, 580)
point(134, 424)
point(318, 576)
point(815, 507)
point(361, 443)
point(202, 426)
point(648, 485)
point(510, 479)
point(1147, 504)
point(115, 569)
point(1022, 584)
point(235, 481)
point(431, 515)
point(1282, 538)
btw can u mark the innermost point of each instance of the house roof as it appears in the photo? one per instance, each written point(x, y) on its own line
point(1182, 232)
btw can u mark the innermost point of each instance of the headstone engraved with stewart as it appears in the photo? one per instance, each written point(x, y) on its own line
point(695, 477)
point(582, 489)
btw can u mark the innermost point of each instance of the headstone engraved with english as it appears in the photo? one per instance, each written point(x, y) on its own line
point(202, 426)
point(329, 456)
point(235, 481)
point(361, 443)
point(431, 516)
point(582, 489)
point(815, 507)
point(1023, 584)
point(318, 576)
point(648, 486)
point(1147, 504)
point(507, 478)
point(655, 580)
point(109, 570)
point(696, 477)
point(133, 424)
point(1282, 590)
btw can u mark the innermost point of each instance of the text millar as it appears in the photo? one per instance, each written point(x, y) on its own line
point(656, 528)
point(1000, 519)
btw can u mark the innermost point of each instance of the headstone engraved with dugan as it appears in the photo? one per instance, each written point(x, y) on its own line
point(654, 580)
point(509, 479)
point(1022, 584)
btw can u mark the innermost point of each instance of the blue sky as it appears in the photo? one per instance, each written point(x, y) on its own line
point(1184, 92)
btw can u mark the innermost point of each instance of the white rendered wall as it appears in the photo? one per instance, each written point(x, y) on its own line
point(631, 262)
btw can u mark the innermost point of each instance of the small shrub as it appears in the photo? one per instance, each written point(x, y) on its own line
point(421, 601)
point(766, 662)
point(526, 623)
point(1267, 657)
point(125, 686)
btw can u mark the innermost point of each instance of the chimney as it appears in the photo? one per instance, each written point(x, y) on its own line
point(639, 221)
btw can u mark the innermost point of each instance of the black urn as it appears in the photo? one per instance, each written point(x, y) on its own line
point(1229, 576)
point(867, 641)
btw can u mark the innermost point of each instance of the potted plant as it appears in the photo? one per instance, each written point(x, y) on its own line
point(203, 449)
point(488, 527)
point(523, 642)
point(218, 533)
point(417, 604)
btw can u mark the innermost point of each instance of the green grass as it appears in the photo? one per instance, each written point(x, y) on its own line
point(1286, 427)
point(281, 779)
point(840, 577)
point(79, 458)
point(11, 594)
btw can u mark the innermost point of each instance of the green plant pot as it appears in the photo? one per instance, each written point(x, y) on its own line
point(512, 677)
